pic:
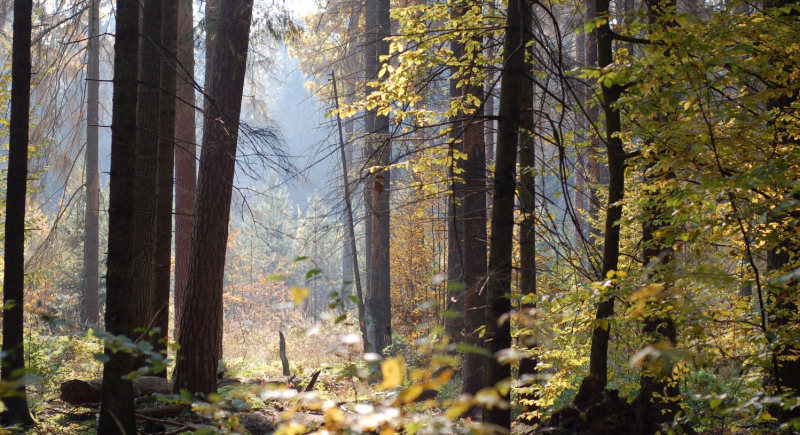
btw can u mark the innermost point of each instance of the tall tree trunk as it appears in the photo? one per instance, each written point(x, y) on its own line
point(498, 334)
point(13, 369)
point(598, 359)
point(117, 408)
point(90, 308)
point(454, 325)
point(201, 321)
point(185, 157)
point(378, 23)
point(147, 114)
point(527, 242)
point(474, 241)
point(166, 172)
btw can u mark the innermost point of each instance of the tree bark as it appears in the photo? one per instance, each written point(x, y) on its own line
point(147, 118)
point(117, 407)
point(186, 153)
point(498, 334)
point(527, 242)
point(378, 23)
point(201, 322)
point(166, 171)
point(13, 367)
point(90, 308)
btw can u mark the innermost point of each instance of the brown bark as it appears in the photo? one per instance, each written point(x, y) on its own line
point(13, 366)
point(90, 306)
point(147, 118)
point(165, 177)
point(117, 408)
point(498, 334)
point(185, 156)
point(201, 321)
point(77, 392)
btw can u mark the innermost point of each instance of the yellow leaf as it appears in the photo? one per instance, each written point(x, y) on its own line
point(394, 371)
point(299, 295)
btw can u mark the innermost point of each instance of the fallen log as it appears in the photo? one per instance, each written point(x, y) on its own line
point(77, 392)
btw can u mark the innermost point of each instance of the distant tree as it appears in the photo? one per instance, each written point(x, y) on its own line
point(90, 308)
point(117, 407)
point(498, 288)
point(201, 320)
point(13, 362)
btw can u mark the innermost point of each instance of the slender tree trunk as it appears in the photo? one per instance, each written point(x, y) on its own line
point(498, 334)
point(598, 360)
point(185, 157)
point(147, 114)
point(117, 408)
point(166, 172)
point(13, 366)
point(90, 309)
point(454, 325)
point(201, 321)
point(527, 243)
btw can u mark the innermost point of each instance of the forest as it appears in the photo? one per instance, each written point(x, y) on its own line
point(400, 217)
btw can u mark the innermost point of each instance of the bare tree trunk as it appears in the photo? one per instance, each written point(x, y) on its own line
point(498, 289)
point(90, 308)
point(147, 114)
point(13, 366)
point(201, 321)
point(186, 157)
point(166, 172)
point(117, 408)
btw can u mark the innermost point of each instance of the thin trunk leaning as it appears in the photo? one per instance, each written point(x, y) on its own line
point(201, 322)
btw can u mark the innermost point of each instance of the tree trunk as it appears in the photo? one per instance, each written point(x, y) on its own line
point(527, 243)
point(185, 157)
point(378, 22)
point(598, 359)
point(498, 335)
point(454, 325)
point(13, 366)
point(117, 408)
point(90, 308)
point(166, 171)
point(147, 114)
point(201, 321)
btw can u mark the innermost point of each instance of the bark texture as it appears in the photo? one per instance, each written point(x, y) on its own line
point(147, 114)
point(498, 333)
point(166, 171)
point(90, 307)
point(13, 367)
point(117, 407)
point(378, 26)
point(201, 321)
point(186, 152)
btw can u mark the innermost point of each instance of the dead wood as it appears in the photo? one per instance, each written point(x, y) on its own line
point(78, 392)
